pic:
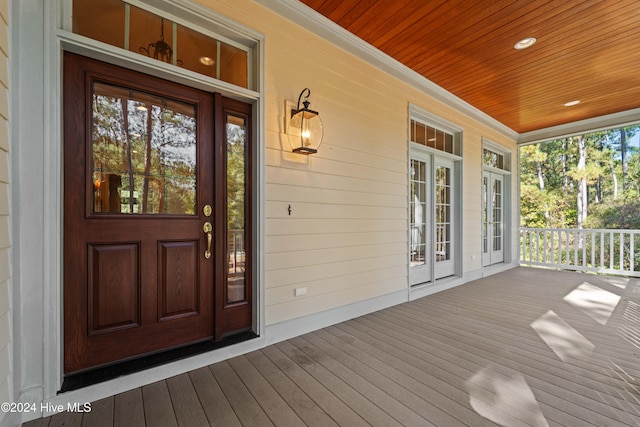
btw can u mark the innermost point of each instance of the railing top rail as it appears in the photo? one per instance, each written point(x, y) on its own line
point(583, 230)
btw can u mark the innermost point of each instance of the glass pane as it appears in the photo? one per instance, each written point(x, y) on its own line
point(233, 65)
point(236, 200)
point(151, 35)
point(143, 152)
point(418, 213)
point(443, 214)
point(431, 137)
point(197, 52)
point(485, 213)
point(109, 28)
point(497, 215)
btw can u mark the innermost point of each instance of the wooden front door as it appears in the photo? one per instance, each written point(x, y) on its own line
point(145, 219)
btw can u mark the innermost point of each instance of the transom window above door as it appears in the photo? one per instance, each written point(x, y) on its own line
point(123, 25)
point(435, 138)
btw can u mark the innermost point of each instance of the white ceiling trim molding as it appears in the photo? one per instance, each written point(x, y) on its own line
point(313, 21)
point(621, 119)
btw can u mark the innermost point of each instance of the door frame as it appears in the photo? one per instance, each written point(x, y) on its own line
point(507, 198)
point(40, 338)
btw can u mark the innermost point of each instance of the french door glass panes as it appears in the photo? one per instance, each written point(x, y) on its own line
point(497, 214)
point(432, 213)
point(443, 213)
point(444, 189)
point(492, 218)
point(419, 215)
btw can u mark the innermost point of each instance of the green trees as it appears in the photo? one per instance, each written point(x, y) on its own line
point(584, 181)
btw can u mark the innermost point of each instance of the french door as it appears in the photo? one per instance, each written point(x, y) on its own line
point(492, 218)
point(420, 226)
point(444, 190)
point(156, 215)
point(432, 224)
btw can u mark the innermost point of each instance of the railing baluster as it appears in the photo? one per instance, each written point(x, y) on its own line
point(583, 239)
point(593, 250)
point(611, 246)
point(621, 261)
point(602, 249)
point(632, 252)
point(576, 246)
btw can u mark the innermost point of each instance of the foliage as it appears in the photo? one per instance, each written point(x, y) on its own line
point(604, 164)
point(146, 151)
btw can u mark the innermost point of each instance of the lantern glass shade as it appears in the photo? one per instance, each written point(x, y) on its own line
point(305, 131)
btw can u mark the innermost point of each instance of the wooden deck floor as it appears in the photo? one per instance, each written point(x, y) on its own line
point(523, 347)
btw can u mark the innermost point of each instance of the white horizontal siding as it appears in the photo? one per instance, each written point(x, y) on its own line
point(346, 237)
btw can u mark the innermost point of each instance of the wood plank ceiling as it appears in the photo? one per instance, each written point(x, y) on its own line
point(586, 50)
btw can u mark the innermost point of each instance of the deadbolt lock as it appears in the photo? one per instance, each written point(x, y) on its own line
point(207, 210)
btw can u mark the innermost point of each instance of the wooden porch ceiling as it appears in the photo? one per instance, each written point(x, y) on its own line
point(585, 50)
point(523, 347)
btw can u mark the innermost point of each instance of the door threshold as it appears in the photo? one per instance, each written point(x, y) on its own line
point(106, 373)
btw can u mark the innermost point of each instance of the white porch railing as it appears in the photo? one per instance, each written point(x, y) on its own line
point(601, 251)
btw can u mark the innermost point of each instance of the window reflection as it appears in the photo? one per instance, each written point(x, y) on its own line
point(143, 153)
point(236, 198)
point(418, 213)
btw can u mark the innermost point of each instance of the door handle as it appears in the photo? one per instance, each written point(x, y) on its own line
point(207, 228)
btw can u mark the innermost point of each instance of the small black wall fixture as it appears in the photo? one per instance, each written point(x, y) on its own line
point(305, 127)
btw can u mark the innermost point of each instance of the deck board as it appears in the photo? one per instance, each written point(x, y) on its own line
point(158, 408)
point(512, 349)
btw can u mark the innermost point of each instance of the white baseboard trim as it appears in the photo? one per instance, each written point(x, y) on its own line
point(422, 291)
point(292, 328)
point(443, 285)
point(31, 398)
point(498, 268)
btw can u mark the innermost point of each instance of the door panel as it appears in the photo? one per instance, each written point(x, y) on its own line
point(138, 155)
point(444, 189)
point(178, 285)
point(420, 271)
point(492, 216)
point(113, 273)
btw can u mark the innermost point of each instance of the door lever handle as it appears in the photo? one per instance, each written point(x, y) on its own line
point(207, 228)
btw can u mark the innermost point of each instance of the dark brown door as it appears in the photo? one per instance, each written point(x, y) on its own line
point(145, 190)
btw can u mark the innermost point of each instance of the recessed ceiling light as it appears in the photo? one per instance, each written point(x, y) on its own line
point(572, 103)
point(525, 43)
point(207, 60)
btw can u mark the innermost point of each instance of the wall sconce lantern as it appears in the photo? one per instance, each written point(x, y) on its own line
point(305, 127)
